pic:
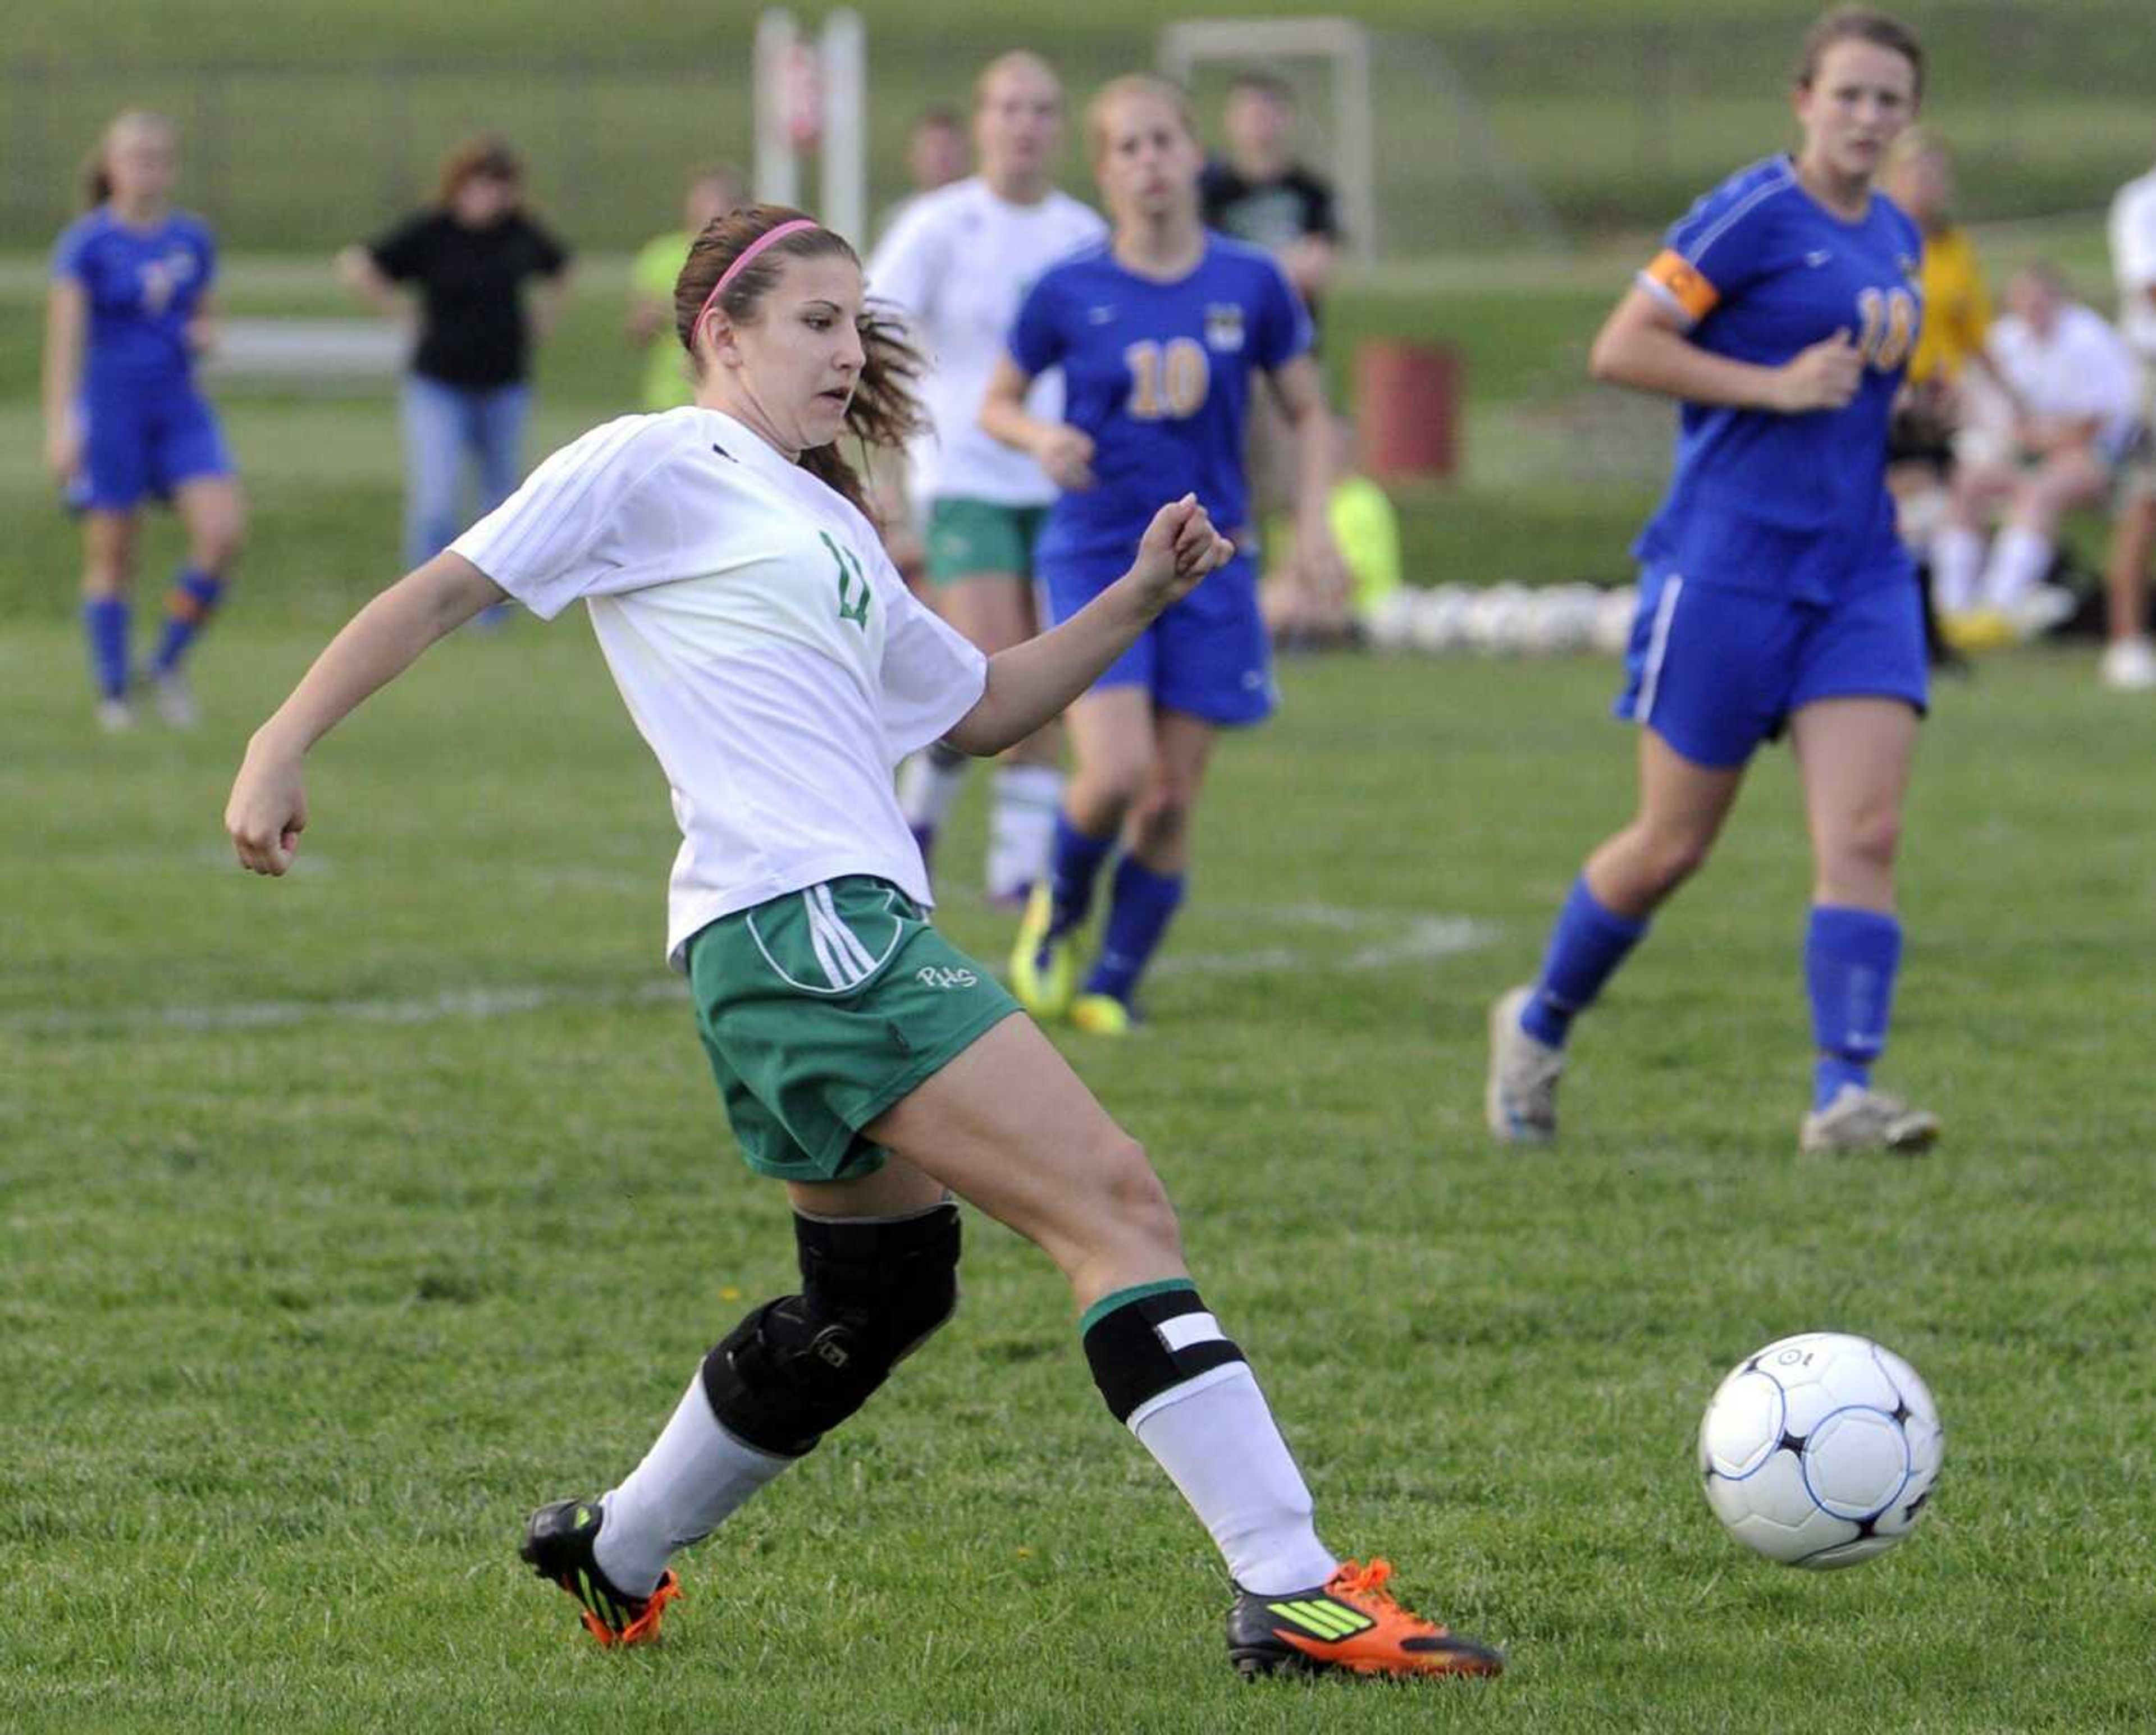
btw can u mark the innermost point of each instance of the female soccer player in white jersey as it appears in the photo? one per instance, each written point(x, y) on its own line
point(956, 265)
point(1775, 591)
point(1162, 334)
point(772, 657)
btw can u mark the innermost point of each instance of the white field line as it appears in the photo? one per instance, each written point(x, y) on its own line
point(451, 1003)
point(1386, 939)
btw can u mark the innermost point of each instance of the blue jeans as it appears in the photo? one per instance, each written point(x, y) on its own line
point(443, 423)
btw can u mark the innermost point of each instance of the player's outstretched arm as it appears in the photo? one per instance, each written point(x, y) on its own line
point(1643, 344)
point(267, 808)
point(1031, 683)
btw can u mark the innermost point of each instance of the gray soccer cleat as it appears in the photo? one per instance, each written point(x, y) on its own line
point(1859, 1119)
point(175, 699)
point(1520, 1101)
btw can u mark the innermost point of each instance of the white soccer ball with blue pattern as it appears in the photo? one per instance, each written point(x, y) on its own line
point(1821, 1451)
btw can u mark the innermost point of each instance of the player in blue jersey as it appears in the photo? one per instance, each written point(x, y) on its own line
point(1163, 332)
point(129, 311)
point(1774, 593)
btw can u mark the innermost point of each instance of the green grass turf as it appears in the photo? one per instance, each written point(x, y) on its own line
point(308, 124)
point(343, 1219)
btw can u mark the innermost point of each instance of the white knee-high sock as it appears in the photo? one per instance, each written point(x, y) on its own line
point(695, 1475)
point(1215, 1436)
point(928, 784)
point(2020, 559)
point(1957, 559)
point(1022, 827)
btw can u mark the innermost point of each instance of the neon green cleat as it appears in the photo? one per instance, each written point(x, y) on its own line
point(1044, 975)
point(1101, 1014)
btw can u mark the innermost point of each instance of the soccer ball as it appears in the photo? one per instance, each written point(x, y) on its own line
point(1821, 1451)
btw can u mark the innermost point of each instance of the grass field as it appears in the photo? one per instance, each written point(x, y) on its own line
point(342, 1219)
point(1617, 114)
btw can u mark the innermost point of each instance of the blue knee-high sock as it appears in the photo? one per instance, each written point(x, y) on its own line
point(104, 622)
point(1850, 959)
point(1585, 948)
point(1141, 905)
point(1073, 868)
point(194, 599)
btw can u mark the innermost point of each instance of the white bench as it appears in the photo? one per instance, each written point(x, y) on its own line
point(330, 354)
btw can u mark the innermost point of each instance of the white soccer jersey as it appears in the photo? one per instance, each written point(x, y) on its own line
point(2134, 263)
point(2083, 370)
point(766, 648)
point(957, 262)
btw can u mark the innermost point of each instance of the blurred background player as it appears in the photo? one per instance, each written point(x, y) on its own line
point(1958, 313)
point(2071, 383)
point(1163, 333)
point(2128, 661)
point(1775, 591)
point(1260, 193)
point(648, 323)
point(935, 156)
point(956, 264)
point(774, 660)
point(1366, 531)
point(468, 257)
point(129, 309)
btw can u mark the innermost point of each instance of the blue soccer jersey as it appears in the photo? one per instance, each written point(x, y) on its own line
point(1159, 375)
point(1794, 506)
point(142, 287)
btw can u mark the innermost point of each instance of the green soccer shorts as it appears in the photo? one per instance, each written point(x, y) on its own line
point(968, 538)
point(821, 1008)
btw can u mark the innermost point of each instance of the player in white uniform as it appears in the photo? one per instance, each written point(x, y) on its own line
point(956, 265)
point(772, 658)
point(2070, 381)
point(2128, 660)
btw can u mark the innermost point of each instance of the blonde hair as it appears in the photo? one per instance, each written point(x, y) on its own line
point(96, 178)
point(1140, 84)
point(1017, 60)
point(1917, 144)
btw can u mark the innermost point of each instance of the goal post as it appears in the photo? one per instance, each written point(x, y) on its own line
point(1343, 46)
point(1425, 89)
point(812, 96)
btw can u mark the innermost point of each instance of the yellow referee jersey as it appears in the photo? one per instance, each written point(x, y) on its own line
point(1956, 307)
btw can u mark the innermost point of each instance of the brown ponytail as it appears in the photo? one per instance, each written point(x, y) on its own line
point(1860, 23)
point(885, 410)
point(96, 184)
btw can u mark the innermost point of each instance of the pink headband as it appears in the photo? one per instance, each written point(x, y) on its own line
point(792, 226)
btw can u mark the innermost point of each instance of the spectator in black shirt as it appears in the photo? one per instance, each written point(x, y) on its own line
point(1261, 195)
point(467, 258)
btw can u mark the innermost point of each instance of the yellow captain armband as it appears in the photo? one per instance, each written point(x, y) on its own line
point(1673, 277)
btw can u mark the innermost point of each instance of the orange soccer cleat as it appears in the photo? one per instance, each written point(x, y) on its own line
point(1347, 1624)
point(557, 1546)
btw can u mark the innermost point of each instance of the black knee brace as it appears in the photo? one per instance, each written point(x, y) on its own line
point(871, 1294)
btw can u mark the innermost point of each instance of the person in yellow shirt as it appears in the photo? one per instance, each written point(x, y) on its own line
point(1951, 384)
point(1957, 308)
point(711, 193)
point(1368, 530)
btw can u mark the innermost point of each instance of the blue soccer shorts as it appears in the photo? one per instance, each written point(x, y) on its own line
point(1715, 671)
point(146, 444)
point(1208, 655)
